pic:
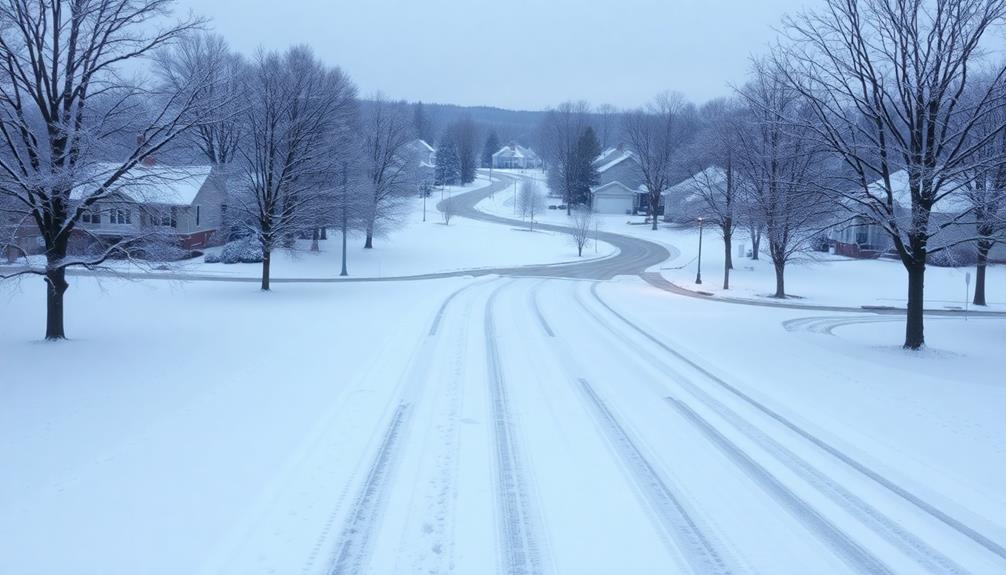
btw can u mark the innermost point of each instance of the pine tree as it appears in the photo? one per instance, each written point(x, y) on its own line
point(586, 176)
point(420, 122)
point(448, 168)
point(492, 146)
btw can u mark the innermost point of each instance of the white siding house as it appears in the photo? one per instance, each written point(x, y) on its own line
point(515, 156)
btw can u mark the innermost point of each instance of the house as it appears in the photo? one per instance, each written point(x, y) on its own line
point(861, 237)
point(421, 152)
point(423, 159)
point(686, 200)
point(619, 182)
point(514, 156)
point(185, 205)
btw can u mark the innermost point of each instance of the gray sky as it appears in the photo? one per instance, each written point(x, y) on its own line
point(519, 54)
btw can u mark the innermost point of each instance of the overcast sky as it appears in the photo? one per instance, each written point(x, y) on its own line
point(518, 54)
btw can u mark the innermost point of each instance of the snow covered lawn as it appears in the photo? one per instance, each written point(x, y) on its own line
point(489, 425)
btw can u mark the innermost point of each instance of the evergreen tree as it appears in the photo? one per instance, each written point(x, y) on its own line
point(585, 176)
point(492, 146)
point(420, 122)
point(448, 165)
point(465, 140)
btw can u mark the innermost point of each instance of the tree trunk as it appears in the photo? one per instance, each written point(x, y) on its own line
point(780, 279)
point(369, 244)
point(266, 260)
point(324, 234)
point(984, 246)
point(727, 261)
point(914, 330)
point(579, 250)
point(56, 286)
point(654, 205)
point(755, 244)
point(315, 235)
point(345, 232)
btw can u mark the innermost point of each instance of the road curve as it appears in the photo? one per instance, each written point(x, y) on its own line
point(634, 257)
point(638, 255)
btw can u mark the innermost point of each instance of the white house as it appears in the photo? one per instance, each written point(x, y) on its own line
point(515, 156)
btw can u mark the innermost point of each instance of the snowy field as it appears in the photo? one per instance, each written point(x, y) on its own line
point(818, 279)
point(491, 425)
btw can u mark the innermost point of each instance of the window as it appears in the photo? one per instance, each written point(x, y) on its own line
point(197, 216)
point(166, 218)
point(120, 216)
point(91, 217)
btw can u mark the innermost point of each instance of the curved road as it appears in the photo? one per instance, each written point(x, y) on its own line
point(635, 257)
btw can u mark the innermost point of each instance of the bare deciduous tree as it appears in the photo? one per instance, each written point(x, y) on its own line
point(446, 207)
point(885, 79)
point(530, 202)
point(203, 55)
point(985, 182)
point(386, 134)
point(607, 125)
point(582, 223)
point(65, 108)
point(781, 164)
point(295, 107)
point(714, 177)
point(655, 135)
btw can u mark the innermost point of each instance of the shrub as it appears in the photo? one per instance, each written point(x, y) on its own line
point(245, 251)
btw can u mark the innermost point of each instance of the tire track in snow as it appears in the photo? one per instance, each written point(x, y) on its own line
point(695, 545)
point(437, 526)
point(908, 496)
point(883, 525)
point(850, 551)
point(520, 546)
point(353, 547)
point(537, 309)
point(351, 553)
point(438, 319)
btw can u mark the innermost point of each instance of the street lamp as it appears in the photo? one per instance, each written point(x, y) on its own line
point(698, 273)
point(515, 196)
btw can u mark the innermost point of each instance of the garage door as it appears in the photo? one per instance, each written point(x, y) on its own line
point(612, 205)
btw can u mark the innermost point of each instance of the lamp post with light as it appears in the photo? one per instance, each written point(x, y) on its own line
point(698, 273)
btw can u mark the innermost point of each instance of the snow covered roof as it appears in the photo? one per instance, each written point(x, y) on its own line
point(611, 158)
point(513, 150)
point(615, 188)
point(955, 202)
point(693, 186)
point(421, 143)
point(168, 185)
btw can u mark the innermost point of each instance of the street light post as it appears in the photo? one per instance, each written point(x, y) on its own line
point(515, 196)
point(698, 273)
